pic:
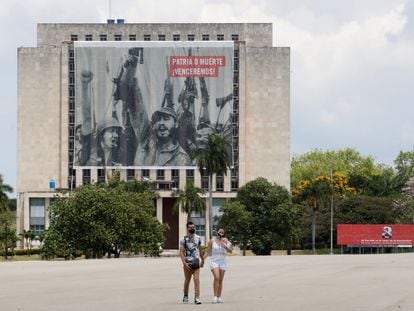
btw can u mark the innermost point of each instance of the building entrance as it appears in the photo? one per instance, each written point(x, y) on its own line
point(170, 218)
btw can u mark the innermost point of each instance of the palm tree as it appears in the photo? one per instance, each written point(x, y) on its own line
point(4, 200)
point(28, 236)
point(189, 199)
point(213, 159)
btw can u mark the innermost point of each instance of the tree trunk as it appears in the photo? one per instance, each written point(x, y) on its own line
point(313, 229)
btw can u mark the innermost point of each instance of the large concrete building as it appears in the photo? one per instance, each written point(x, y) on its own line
point(49, 82)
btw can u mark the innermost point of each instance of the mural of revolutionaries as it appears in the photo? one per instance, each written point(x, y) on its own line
point(126, 111)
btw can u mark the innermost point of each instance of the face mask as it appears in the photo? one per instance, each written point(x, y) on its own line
point(191, 231)
point(220, 235)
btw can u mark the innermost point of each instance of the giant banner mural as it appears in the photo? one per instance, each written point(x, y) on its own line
point(150, 104)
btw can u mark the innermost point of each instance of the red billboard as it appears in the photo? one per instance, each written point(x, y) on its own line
point(375, 235)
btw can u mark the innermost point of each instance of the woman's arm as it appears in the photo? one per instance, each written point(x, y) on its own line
point(209, 245)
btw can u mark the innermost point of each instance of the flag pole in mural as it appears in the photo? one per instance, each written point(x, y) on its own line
point(150, 104)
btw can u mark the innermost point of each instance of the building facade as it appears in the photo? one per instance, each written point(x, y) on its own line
point(50, 104)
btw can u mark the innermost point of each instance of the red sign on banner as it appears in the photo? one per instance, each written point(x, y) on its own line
point(375, 235)
point(196, 66)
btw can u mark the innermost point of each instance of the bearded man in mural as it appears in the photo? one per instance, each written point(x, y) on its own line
point(156, 139)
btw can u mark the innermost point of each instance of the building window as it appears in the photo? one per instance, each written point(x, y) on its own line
point(118, 37)
point(71, 54)
point(235, 118)
point(130, 174)
point(235, 157)
point(200, 230)
point(71, 118)
point(234, 185)
point(176, 37)
point(73, 37)
point(71, 79)
point(72, 179)
point(71, 131)
point(220, 182)
point(132, 37)
point(235, 145)
point(102, 37)
point(189, 175)
point(234, 179)
point(175, 176)
point(147, 37)
point(71, 105)
point(190, 37)
point(235, 132)
point(37, 207)
point(86, 176)
point(160, 175)
point(204, 183)
point(37, 229)
point(88, 37)
point(161, 37)
point(71, 92)
point(235, 37)
point(235, 104)
point(71, 67)
point(145, 175)
point(236, 65)
point(70, 154)
point(220, 37)
point(205, 37)
point(37, 215)
point(101, 175)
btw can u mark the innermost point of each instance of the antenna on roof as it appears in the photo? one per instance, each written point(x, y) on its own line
point(110, 15)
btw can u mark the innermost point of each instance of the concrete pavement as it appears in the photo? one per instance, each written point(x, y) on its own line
point(302, 282)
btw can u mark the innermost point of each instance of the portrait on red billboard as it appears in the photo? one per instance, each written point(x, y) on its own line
point(375, 234)
point(150, 104)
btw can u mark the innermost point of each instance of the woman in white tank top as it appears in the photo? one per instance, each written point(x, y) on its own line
point(218, 247)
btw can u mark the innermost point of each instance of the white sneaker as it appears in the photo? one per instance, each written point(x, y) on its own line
point(214, 299)
point(197, 301)
point(219, 300)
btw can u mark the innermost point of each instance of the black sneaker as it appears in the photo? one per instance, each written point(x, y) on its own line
point(185, 299)
point(197, 301)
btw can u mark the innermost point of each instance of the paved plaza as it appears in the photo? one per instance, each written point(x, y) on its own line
point(301, 282)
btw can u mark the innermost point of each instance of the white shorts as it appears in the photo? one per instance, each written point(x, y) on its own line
point(218, 263)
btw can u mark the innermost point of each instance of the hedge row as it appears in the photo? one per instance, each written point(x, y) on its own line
point(21, 252)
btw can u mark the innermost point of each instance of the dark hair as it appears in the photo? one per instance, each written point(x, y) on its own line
point(189, 223)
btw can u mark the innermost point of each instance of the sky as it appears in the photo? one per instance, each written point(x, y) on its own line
point(352, 63)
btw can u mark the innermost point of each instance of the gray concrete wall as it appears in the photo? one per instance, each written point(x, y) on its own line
point(39, 118)
point(267, 114)
point(255, 34)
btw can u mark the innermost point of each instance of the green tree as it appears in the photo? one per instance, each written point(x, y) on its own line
point(213, 159)
point(4, 189)
point(272, 215)
point(319, 191)
point(363, 209)
point(404, 164)
point(99, 221)
point(317, 163)
point(189, 199)
point(237, 222)
point(8, 236)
